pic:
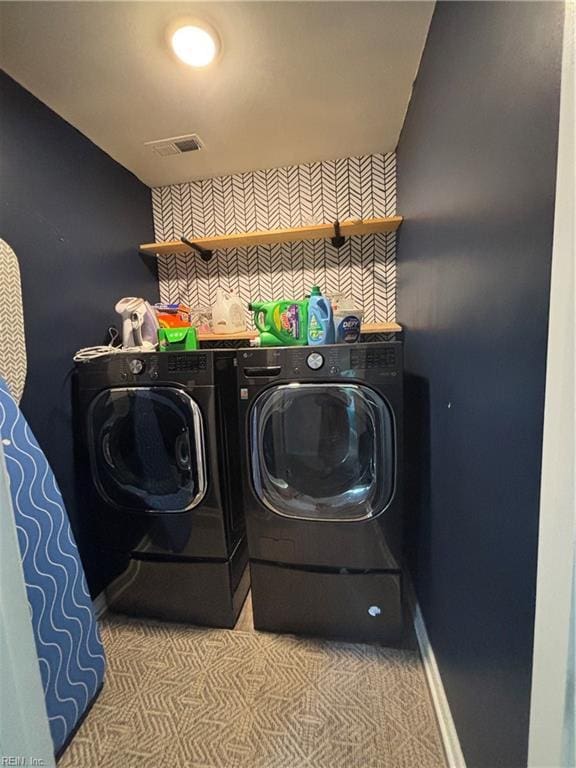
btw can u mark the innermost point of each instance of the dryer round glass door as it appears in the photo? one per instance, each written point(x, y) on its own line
point(323, 451)
point(147, 449)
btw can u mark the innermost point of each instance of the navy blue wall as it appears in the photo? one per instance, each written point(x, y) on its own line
point(476, 175)
point(74, 218)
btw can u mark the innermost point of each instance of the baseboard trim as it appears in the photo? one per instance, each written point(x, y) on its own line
point(100, 605)
point(450, 740)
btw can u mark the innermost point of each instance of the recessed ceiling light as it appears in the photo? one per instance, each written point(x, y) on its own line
point(195, 43)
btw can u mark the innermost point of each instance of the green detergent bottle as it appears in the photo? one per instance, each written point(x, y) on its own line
point(280, 323)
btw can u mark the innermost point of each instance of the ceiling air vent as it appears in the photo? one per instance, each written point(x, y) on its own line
point(177, 145)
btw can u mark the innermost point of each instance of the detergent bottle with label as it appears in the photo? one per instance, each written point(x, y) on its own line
point(280, 323)
point(320, 321)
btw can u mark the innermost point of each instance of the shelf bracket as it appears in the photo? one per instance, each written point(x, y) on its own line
point(338, 240)
point(205, 254)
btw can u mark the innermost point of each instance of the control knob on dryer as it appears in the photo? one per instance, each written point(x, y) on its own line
point(136, 366)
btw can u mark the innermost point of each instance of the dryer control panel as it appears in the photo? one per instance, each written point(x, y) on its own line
point(191, 368)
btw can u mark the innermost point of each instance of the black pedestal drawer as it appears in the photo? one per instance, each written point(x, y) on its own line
point(350, 606)
point(208, 593)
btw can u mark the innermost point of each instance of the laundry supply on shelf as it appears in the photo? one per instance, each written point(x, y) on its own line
point(280, 323)
point(201, 319)
point(320, 321)
point(177, 339)
point(347, 325)
point(347, 319)
point(172, 315)
point(228, 313)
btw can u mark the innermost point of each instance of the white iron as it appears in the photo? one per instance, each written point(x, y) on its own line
point(139, 324)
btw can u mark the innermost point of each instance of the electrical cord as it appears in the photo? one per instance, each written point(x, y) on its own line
point(89, 353)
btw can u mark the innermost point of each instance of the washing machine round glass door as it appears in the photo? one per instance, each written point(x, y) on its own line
point(323, 451)
point(147, 449)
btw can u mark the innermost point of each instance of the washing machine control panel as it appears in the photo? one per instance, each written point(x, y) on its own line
point(326, 362)
point(315, 361)
point(293, 362)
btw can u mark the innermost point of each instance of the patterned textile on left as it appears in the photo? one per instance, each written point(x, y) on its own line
point(12, 339)
point(70, 653)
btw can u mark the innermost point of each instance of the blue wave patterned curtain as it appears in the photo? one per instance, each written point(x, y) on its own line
point(70, 652)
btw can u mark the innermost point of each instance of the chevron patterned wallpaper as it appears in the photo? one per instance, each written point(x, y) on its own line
point(356, 187)
point(13, 362)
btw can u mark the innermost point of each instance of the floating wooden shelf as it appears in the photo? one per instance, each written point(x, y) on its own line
point(272, 236)
point(247, 335)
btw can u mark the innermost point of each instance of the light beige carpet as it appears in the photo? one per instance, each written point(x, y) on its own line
point(205, 698)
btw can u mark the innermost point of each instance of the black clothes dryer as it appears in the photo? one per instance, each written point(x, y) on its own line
point(159, 450)
point(322, 484)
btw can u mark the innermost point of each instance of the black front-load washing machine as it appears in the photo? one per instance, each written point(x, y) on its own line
point(159, 448)
point(322, 485)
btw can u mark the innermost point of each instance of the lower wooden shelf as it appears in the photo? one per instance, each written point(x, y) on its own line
point(247, 335)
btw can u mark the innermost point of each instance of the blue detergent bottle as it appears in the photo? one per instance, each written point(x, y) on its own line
point(320, 321)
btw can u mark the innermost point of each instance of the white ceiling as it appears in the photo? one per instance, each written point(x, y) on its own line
point(296, 82)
